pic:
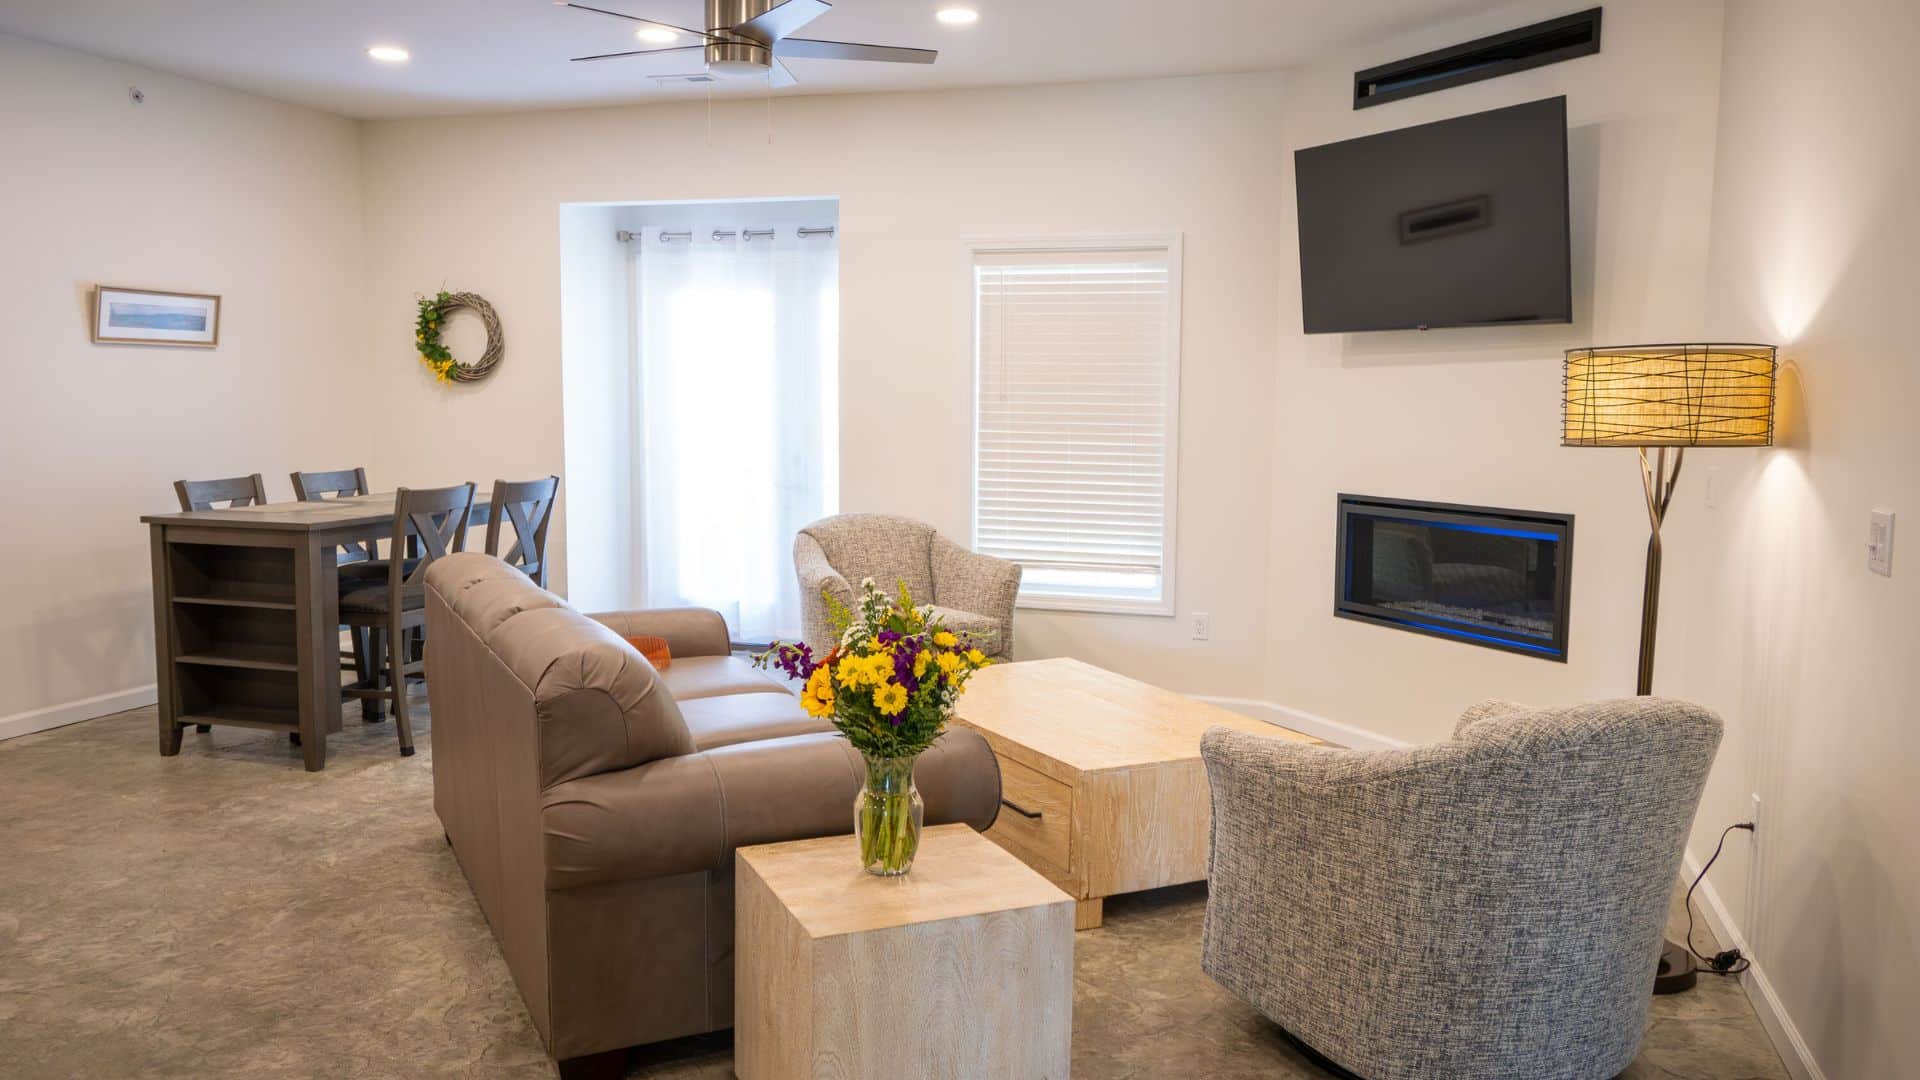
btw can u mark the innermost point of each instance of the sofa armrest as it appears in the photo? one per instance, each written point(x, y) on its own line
point(817, 576)
point(688, 631)
point(982, 584)
point(687, 814)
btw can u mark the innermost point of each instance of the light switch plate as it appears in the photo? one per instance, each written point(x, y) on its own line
point(1880, 543)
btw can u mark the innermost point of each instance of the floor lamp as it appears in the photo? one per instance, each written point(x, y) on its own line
point(1666, 398)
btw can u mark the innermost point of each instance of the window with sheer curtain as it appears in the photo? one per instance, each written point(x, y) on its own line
point(738, 351)
point(1076, 400)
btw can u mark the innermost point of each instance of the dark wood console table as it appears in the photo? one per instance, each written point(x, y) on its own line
point(246, 614)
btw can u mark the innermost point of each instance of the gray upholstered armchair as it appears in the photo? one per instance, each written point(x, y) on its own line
point(1490, 907)
point(973, 593)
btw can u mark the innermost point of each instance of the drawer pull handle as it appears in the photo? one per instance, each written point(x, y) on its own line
point(1021, 810)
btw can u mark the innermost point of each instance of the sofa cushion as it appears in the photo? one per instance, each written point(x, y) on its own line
point(890, 550)
point(693, 677)
point(738, 718)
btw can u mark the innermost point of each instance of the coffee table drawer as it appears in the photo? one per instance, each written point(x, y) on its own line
point(1036, 816)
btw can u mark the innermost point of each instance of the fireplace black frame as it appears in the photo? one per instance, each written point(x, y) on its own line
point(1458, 515)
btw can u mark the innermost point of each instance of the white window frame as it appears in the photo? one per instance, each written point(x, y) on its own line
point(1171, 243)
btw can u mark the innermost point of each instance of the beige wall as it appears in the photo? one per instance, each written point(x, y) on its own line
point(475, 203)
point(1472, 415)
point(200, 190)
point(1775, 620)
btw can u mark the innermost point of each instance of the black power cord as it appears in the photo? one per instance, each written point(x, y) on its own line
point(1727, 961)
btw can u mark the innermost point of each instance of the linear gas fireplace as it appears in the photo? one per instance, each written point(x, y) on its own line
point(1477, 574)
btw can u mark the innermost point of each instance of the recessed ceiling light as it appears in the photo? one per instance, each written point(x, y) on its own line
point(656, 35)
point(957, 16)
point(388, 54)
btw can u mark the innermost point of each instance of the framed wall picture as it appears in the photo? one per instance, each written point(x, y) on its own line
point(151, 317)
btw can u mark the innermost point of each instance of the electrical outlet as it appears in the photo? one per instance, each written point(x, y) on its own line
point(1880, 543)
point(1756, 814)
point(1202, 626)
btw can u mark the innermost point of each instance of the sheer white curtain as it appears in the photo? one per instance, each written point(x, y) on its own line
point(738, 347)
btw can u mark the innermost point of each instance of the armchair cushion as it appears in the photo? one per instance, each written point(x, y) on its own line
point(983, 629)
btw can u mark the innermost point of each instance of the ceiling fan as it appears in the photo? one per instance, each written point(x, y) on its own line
point(751, 37)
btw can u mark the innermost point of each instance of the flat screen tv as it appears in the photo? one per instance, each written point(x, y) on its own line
point(1457, 223)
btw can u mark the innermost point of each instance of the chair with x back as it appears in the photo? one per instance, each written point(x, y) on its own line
point(359, 559)
point(233, 491)
point(528, 507)
point(340, 483)
point(391, 605)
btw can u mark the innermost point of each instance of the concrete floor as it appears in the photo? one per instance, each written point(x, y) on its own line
point(224, 913)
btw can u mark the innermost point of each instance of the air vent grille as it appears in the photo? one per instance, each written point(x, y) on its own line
point(1533, 46)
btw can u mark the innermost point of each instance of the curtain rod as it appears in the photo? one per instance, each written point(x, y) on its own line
point(727, 234)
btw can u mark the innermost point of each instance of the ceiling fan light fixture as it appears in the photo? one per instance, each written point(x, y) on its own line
point(389, 54)
point(957, 16)
point(657, 35)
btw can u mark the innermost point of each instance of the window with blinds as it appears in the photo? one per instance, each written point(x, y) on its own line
point(1076, 353)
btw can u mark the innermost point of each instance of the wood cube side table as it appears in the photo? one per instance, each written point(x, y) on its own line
point(962, 968)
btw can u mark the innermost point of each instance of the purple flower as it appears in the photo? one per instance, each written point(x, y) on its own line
point(903, 671)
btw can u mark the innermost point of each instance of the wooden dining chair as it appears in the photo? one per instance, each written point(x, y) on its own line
point(233, 491)
point(359, 562)
point(320, 486)
point(392, 606)
point(528, 506)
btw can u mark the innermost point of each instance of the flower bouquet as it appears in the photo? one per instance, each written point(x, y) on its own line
point(889, 686)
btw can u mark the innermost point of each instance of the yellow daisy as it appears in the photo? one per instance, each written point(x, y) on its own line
point(890, 698)
point(945, 639)
point(976, 658)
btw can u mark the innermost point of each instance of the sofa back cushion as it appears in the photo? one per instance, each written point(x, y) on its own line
point(890, 550)
point(597, 704)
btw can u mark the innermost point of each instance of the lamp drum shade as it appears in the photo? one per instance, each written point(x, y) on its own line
point(1669, 395)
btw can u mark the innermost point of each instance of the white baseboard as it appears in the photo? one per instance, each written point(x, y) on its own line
point(72, 712)
point(1306, 723)
point(1793, 1050)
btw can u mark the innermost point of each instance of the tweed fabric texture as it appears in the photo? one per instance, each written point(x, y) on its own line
point(834, 554)
point(1490, 907)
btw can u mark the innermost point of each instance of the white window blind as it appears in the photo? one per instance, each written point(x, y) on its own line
point(1076, 360)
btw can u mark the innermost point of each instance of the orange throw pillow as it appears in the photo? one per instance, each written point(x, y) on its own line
point(654, 649)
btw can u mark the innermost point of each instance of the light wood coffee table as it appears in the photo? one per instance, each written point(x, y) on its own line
point(962, 968)
point(1102, 788)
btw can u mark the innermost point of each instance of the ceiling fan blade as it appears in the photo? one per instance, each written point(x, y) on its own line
point(809, 49)
point(638, 19)
point(641, 52)
point(782, 19)
point(778, 77)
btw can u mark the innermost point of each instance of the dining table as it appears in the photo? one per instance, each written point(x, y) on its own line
point(246, 614)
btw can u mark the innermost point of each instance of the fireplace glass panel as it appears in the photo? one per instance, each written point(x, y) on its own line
point(1491, 577)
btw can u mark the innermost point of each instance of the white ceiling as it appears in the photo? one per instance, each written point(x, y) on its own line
point(491, 55)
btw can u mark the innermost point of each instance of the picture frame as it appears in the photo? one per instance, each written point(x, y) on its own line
point(155, 317)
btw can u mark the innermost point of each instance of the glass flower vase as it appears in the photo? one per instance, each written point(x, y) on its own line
point(887, 815)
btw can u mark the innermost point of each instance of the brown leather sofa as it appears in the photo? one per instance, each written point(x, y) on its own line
point(595, 803)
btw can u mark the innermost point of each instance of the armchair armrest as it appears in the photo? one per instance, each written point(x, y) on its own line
point(982, 584)
point(817, 576)
point(689, 631)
